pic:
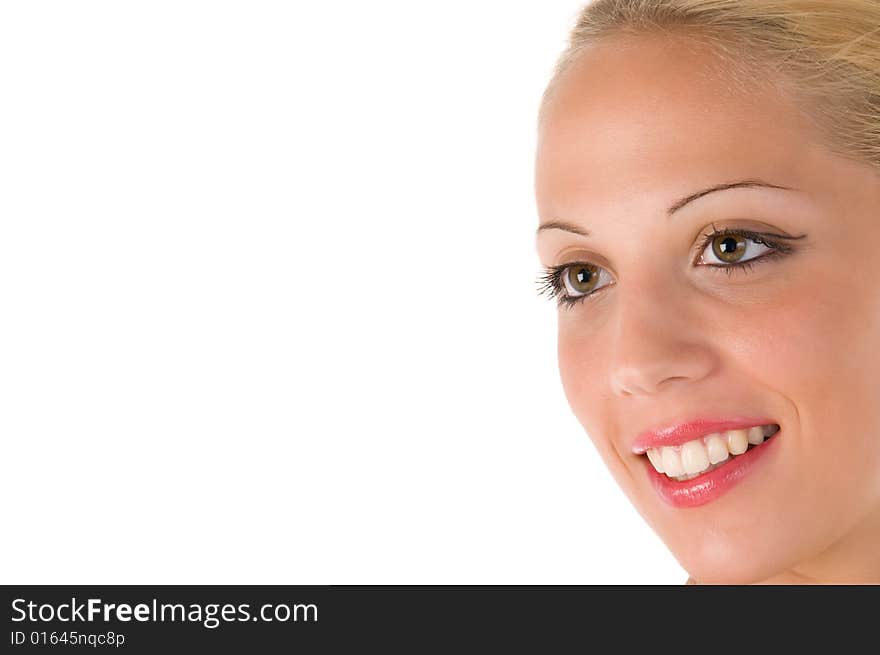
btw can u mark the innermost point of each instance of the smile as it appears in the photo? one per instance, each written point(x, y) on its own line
point(695, 472)
point(699, 456)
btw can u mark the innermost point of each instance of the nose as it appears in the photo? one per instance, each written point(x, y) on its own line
point(657, 343)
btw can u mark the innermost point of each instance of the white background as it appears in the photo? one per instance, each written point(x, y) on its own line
point(268, 310)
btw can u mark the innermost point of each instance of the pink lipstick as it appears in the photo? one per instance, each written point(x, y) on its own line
point(715, 482)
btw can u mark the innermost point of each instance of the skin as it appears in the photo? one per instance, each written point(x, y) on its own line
point(637, 123)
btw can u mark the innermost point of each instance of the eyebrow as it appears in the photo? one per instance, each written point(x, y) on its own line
point(570, 227)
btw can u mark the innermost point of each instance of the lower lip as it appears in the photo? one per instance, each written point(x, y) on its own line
point(706, 488)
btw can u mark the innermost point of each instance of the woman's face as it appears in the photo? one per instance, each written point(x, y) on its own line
point(663, 338)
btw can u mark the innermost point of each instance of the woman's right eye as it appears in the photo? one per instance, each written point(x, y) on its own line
point(573, 283)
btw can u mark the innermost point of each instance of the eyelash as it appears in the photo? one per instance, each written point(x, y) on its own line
point(551, 283)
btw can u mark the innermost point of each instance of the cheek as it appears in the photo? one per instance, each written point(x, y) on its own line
point(584, 373)
point(814, 352)
point(573, 362)
point(824, 350)
point(581, 373)
point(819, 346)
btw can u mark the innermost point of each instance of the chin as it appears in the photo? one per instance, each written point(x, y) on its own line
point(718, 564)
point(711, 556)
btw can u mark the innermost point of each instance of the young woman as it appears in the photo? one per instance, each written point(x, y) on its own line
point(708, 189)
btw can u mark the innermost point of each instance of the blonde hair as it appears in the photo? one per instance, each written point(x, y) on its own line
point(825, 52)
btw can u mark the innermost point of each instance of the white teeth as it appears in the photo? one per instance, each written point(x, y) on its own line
point(756, 435)
point(737, 441)
point(672, 462)
point(694, 458)
point(656, 459)
point(716, 445)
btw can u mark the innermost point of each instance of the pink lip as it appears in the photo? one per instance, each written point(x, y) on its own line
point(705, 488)
point(675, 435)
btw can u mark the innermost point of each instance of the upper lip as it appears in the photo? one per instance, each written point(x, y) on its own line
point(679, 433)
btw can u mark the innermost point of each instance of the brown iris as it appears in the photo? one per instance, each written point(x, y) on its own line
point(582, 277)
point(729, 247)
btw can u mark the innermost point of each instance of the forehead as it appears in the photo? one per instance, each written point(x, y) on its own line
point(642, 114)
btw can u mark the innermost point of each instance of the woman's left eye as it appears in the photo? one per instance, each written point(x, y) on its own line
point(733, 248)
